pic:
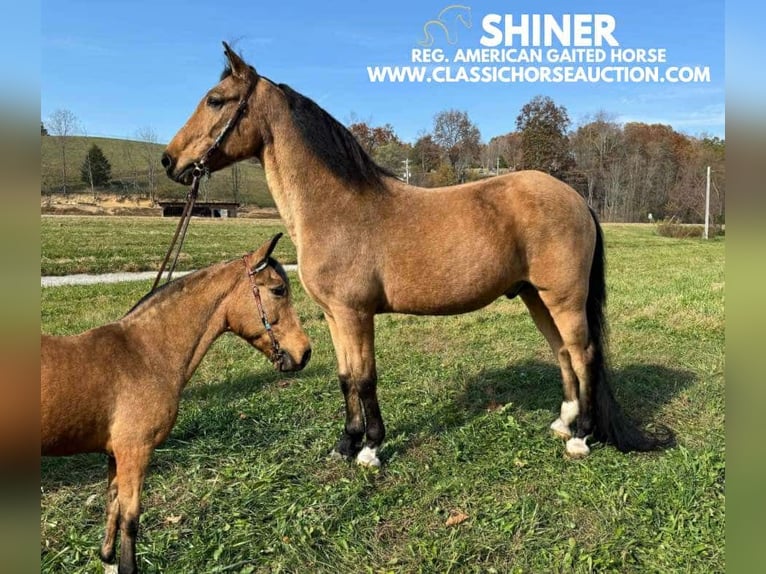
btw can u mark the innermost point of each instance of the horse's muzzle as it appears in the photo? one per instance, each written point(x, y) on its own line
point(286, 362)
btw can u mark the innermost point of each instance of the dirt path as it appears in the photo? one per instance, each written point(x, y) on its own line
point(86, 279)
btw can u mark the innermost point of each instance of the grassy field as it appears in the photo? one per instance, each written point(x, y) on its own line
point(96, 244)
point(126, 158)
point(244, 484)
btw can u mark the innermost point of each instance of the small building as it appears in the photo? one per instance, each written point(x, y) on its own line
point(201, 208)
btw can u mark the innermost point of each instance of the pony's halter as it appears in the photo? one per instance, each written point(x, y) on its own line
point(200, 169)
point(277, 355)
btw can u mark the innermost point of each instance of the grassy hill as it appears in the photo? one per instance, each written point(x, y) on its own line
point(130, 172)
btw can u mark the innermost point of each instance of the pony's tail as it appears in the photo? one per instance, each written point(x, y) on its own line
point(612, 425)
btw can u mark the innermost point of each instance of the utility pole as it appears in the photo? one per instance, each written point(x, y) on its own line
point(707, 203)
point(497, 165)
point(406, 163)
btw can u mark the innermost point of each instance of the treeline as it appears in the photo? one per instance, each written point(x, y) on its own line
point(625, 171)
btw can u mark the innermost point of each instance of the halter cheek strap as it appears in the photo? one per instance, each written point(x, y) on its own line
point(277, 355)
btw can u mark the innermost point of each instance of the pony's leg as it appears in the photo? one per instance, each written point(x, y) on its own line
point(353, 335)
point(131, 468)
point(112, 513)
point(572, 323)
point(542, 318)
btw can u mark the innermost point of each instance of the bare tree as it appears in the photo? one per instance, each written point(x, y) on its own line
point(459, 137)
point(150, 157)
point(62, 123)
point(235, 172)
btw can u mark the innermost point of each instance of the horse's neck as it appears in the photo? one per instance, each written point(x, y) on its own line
point(304, 190)
point(179, 327)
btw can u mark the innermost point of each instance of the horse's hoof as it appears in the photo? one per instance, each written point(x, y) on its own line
point(368, 457)
point(560, 429)
point(110, 568)
point(577, 448)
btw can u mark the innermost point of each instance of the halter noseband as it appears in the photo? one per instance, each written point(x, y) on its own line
point(277, 355)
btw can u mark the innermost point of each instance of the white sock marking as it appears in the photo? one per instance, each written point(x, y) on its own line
point(368, 457)
point(569, 411)
point(577, 448)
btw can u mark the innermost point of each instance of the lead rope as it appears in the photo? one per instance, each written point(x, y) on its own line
point(181, 228)
point(200, 169)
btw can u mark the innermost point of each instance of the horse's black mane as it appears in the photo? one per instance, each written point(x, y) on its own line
point(332, 143)
point(330, 140)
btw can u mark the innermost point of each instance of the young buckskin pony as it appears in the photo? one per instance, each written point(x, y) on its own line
point(524, 234)
point(116, 388)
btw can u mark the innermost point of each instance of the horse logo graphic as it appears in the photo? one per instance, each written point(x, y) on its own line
point(451, 15)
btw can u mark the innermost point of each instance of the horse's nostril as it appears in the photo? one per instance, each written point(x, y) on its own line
point(306, 357)
point(166, 160)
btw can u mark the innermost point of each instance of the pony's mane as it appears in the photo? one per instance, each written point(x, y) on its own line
point(329, 140)
point(169, 288)
point(166, 289)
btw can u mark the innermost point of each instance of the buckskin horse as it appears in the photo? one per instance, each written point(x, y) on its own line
point(420, 251)
point(116, 388)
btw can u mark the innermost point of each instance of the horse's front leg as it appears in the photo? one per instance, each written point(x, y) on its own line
point(353, 336)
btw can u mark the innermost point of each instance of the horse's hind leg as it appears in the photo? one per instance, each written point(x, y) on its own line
point(112, 513)
point(544, 322)
point(570, 319)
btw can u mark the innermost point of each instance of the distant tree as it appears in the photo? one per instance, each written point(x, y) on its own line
point(543, 126)
point(150, 157)
point(459, 139)
point(598, 148)
point(62, 124)
point(393, 155)
point(235, 173)
point(444, 175)
point(43, 131)
point(426, 153)
point(95, 170)
point(371, 138)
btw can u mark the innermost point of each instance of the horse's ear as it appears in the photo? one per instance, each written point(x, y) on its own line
point(262, 254)
point(239, 69)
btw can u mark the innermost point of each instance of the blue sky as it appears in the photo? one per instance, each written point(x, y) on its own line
point(125, 65)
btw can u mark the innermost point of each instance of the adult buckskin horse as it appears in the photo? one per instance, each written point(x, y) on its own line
point(368, 243)
point(116, 388)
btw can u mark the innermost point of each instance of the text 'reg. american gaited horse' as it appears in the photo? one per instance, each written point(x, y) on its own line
point(368, 243)
point(116, 388)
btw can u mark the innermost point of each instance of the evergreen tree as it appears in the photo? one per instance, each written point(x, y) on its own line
point(95, 170)
point(43, 131)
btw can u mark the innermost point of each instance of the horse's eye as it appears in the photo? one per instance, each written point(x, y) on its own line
point(280, 291)
point(215, 102)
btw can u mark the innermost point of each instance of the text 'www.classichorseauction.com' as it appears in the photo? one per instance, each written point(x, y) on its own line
point(545, 48)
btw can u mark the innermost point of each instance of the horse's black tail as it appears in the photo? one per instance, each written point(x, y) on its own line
point(612, 425)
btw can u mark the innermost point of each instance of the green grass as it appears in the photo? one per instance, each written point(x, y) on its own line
point(126, 160)
point(100, 244)
point(244, 484)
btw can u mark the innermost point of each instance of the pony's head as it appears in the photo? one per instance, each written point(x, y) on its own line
point(269, 283)
point(218, 108)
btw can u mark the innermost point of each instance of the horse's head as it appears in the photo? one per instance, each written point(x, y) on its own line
point(264, 279)
point(197, 139)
